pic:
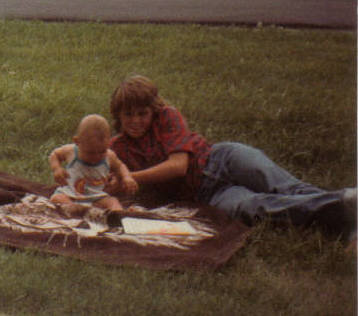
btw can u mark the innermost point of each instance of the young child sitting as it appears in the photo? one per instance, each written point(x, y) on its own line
point(89, 165)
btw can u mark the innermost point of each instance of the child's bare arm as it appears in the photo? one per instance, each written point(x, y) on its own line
point(122, 173)
point(56, 158)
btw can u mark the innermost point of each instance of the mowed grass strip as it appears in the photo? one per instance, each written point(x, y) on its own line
point(290, 92)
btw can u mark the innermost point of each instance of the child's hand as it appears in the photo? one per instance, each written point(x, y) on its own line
point(112, 186)
point(129, 185)
point(60, 175)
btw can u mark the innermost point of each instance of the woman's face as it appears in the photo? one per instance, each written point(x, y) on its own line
point(136, 122)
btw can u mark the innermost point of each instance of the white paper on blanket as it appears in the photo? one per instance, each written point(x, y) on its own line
point(156, 227)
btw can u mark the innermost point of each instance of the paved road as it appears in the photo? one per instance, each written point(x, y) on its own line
point(319, 13)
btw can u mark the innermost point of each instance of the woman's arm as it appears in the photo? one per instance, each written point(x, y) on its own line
point(174, 167)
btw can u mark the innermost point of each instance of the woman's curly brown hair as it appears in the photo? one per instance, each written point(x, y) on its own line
point(133, 93)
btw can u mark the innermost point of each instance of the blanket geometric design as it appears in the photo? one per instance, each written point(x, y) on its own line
point(97, 235)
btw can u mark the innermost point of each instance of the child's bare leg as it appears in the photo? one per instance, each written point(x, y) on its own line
point(109, 202)
point(68, 206)
point(61, 199)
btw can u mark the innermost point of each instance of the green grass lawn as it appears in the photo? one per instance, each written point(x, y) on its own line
point(290, 92)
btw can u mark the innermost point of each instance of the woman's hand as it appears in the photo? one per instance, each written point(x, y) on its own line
point(129, 185)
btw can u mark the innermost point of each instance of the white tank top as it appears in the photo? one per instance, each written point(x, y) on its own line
point(86, 182)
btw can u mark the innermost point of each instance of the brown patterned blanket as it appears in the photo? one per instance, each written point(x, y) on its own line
point(29, 220)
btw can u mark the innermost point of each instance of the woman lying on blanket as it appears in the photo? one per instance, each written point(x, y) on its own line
point(156, 144)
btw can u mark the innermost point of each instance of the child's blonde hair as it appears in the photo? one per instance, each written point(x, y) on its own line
point(93, 125)
point(135, 92)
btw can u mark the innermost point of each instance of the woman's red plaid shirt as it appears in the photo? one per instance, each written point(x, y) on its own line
point(168, 134)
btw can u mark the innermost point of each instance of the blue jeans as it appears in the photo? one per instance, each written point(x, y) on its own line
point(245, 183)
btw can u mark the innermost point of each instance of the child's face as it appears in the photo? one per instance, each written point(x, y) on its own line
point(92, 150)
point(136, 122)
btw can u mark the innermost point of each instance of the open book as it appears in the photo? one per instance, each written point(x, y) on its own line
point(157, 227)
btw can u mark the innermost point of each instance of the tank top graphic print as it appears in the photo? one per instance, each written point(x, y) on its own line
point(86, 182)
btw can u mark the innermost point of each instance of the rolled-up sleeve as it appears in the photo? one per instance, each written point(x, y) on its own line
point(174, 132)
